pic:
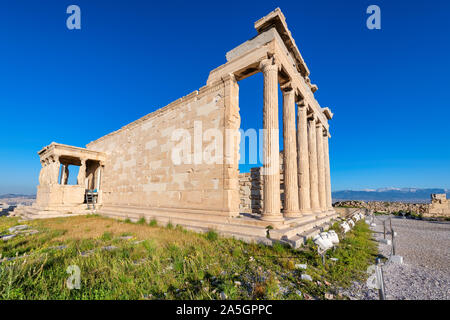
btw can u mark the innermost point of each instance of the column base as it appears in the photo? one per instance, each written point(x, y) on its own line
point(292, 214)
point(272, 218)
point(316, 212)
point(323, 214)
point(306, 212)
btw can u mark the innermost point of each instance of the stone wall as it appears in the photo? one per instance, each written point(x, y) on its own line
point(385, 206)
point(139, 170)
point(439, 206)
point(251, 187)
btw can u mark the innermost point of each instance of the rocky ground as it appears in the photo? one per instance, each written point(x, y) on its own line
point(385, 206)
point(425, 272)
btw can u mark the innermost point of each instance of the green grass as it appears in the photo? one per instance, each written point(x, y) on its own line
point(411, 214)
point(212, 235)
point(169, 263)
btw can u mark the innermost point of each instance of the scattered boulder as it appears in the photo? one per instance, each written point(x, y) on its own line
point(18, 228)
point(7, 237)
point(306, 277)
point(329, 296)
point(109, 248)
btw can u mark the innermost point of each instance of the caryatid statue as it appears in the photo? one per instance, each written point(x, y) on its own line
point(82, 173)
point(54, 170)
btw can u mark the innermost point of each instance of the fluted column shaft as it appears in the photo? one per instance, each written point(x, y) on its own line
point(313, 170)
point(291, 208)
point(303, 160)
point(326, 152)
point(271, 149)
point(321, 168)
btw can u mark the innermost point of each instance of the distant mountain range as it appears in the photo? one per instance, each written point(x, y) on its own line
point(389, 194)
point(416, 195)
point(14, 195)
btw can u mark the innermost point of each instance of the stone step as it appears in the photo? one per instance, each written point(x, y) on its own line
point(298, 229)
point(299, 239)
point(238, 236)
point(160, 212)
point(187, 221)
point(30, 213)
point(149, 212)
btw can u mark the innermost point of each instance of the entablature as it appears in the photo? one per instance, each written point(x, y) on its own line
point(69, 154)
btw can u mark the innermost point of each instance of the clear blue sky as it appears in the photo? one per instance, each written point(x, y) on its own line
point(389, 88)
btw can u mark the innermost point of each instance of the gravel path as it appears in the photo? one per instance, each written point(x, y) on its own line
point(425, 272)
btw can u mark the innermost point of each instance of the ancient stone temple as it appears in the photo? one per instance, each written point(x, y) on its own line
point(133, 173)
point(439, 206)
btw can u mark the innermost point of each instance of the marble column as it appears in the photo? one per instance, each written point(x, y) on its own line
point(62, 173)
point(97, 180)
point(327, 172)
point(313, 169)
point(303, 159)
point(291, 208)
point(321, 167)
point(65, 177)
point(271, 149)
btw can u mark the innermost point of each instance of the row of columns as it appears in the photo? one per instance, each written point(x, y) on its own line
point(306, 155)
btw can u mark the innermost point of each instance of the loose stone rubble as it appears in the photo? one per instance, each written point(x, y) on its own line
point(439, 206)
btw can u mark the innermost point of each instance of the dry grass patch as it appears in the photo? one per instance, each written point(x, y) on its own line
point(94, 227)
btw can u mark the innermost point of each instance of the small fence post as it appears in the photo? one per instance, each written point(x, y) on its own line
point(393, 241)
point(380, 280)
point(384, 229)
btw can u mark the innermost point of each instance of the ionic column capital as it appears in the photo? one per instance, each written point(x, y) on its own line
point(319, 124)
point(301, 103)
point(312, 118)
point(54, 158)
point(229, 77)
point(287, 88)
point(268, 65)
